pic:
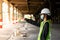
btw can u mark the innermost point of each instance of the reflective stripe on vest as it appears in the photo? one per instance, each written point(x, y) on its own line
point(41, 29)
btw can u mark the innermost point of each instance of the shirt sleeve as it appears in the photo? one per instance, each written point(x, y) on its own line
point(45, 31)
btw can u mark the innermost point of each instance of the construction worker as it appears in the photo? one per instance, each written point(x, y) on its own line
point(44, 33)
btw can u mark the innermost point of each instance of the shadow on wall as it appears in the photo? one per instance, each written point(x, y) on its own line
point(33, 22)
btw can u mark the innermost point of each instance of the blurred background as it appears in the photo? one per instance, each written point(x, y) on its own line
point(18, 15)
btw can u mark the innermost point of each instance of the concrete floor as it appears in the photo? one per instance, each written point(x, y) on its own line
point(31, 31)
point(55, 32)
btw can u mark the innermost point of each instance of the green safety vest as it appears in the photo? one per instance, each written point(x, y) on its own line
point(41, 29)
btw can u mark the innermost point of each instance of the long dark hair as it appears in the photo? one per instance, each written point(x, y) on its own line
point(49, 17)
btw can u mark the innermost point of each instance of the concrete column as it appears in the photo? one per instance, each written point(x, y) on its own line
point(5, 12)
point(15, 14)
point(1, 14)
point(11, 13)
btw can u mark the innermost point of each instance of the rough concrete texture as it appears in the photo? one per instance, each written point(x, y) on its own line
point(26, 31)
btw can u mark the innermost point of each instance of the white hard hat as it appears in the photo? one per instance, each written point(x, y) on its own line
point(45, 11)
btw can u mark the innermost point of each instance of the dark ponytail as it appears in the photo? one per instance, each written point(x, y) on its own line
point(49, 17)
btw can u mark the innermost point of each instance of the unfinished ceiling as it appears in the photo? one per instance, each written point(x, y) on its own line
point(27, 6)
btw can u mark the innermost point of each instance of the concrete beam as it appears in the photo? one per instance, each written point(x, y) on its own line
point(23, 3)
